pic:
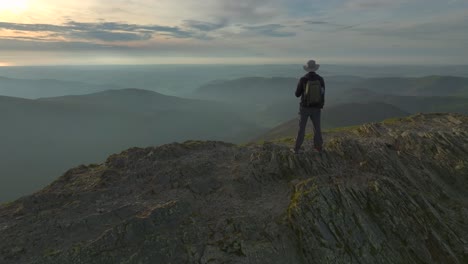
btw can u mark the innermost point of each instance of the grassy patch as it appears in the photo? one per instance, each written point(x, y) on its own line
point(341, 129)
point(396, 120)
point(94, 166)
point(392, 120)
point(6, 204)
point(76, 248)
point(301, 190)
point(245, 144)
point(292, 140)
point(193, 143)
point(288, 140)
point(51, 252)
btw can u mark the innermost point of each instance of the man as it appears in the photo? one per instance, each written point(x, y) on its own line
point(311, 89)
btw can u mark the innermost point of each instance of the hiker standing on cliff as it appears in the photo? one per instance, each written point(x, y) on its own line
point(311, 89)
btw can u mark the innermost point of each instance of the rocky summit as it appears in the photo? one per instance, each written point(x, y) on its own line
point(390, 192)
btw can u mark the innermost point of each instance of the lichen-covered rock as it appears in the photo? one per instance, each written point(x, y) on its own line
point(391, 192)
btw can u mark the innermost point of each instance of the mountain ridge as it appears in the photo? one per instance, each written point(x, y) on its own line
point(37, 88)
point(388, 192)
point(432, 85)
point(273, 103)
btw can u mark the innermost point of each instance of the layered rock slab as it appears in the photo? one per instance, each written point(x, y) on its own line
point(391, 192)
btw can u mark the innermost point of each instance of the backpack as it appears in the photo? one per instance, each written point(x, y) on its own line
point(312, 93)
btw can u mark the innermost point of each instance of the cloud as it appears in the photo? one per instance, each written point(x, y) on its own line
point(250, 11)
point(325, 26)
point(372, 4)
point(121, 33)
point(32, 44)
point(241, 27)
point(206, 26)
point(113, 26)
point(316, 22)
point(270, 30)
point(108, 36)
point(31, 27)
point(112, 31)
point(441, 29)
point(102, 31)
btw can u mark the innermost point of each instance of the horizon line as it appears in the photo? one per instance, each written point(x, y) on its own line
point(231, 64)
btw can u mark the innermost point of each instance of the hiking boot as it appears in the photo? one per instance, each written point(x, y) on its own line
point(294, 151)
point(319, 149)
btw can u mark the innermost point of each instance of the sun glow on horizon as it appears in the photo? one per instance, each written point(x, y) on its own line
point(13, 6)
point(4, 64)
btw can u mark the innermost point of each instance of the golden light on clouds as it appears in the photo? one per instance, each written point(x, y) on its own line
point(160, 31)
point(4, 64)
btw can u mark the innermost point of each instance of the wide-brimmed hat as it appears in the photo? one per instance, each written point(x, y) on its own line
point(311, 66)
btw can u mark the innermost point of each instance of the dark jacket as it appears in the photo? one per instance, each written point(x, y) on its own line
point(311, 76)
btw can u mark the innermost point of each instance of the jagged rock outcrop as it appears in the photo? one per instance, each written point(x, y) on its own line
point(391, 192)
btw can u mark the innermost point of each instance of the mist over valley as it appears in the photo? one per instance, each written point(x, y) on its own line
point(49, 125)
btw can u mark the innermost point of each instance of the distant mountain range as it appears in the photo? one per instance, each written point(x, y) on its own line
point(33, 89)
point(43, 137)
point(276, 89)
point(252, 89)
point(412, 104)
point(425, 86)
point(338, 116)
point(272, 100)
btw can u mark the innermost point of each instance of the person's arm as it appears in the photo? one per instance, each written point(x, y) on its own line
point(300, 88)
point(322, 81)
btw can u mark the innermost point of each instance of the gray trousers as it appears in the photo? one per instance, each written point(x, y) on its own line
point(314, 114)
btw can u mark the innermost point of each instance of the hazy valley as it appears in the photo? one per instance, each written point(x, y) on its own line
point(45, 136)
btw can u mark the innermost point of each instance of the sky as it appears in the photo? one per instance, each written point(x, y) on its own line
point(58, 32)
